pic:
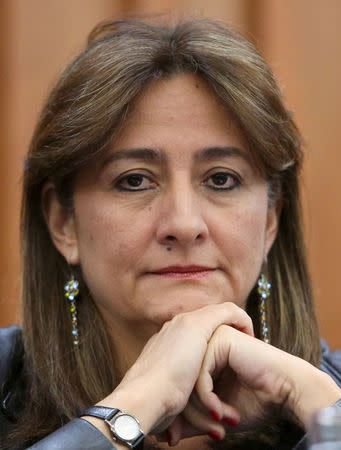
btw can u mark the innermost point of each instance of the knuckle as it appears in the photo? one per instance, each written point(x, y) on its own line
point(176, 401)
point(179, 319)
point(199, 386)
point(222, 330)
point(239, 312)
point(163, 329)
point(185, 319)
point(233, 306)
point(249, 320)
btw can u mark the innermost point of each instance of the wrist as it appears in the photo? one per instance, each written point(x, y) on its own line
point(125, 428)
point(138, 399)
point(311, 391)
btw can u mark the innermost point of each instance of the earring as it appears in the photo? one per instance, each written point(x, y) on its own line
point(264, 292)
point(71, 293)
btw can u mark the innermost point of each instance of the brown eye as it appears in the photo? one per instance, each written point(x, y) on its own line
point(134, 182)
point(221, 178)
point(222, 181)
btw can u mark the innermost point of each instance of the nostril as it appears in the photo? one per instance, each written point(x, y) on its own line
point(170, 238)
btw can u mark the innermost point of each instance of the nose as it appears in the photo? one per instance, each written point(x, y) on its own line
point(181, 221)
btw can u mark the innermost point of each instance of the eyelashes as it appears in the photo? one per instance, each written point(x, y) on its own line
point(138, 182)
point(135, 182)
point(222, 181)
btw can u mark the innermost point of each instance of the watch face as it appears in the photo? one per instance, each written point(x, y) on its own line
point(126, 427)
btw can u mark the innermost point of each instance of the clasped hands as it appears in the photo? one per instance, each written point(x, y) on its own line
point(205, 369)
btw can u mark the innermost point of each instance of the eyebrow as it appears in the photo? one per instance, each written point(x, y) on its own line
point(157, 156)
point(212, 153)
point(143, 154)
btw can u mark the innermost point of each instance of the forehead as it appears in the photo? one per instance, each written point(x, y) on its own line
point(176, 119)
point(180, 110)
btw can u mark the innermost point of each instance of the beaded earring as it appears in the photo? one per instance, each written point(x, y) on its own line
point(264, 292)
point(71, 292)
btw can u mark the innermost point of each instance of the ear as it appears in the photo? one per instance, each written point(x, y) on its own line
point(61, 224)
point(272, 222)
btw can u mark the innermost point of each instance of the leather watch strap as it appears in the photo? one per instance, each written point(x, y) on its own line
point(105, 413)
point(102, 412)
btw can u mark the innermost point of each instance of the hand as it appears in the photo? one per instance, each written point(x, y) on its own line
point(239, 374)
point(256, 378)
point(157, 387)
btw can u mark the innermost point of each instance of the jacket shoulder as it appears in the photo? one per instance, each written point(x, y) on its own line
point(331, 362)
point(8, 339)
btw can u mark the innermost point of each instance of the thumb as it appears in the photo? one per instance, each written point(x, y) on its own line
point(215, 360)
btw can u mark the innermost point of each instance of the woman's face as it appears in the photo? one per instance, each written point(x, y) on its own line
point(175, 216)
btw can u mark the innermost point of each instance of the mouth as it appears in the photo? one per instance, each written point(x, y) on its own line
point(192, 272)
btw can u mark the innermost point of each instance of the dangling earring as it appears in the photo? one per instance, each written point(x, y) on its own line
point(264, 292)
point(71, 293)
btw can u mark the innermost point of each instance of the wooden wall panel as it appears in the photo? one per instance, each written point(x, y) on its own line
point(6, 306)
point(234, 12)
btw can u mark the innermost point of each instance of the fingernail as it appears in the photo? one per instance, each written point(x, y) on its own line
point(215, 415)
point(214, 435)
point(230, 421)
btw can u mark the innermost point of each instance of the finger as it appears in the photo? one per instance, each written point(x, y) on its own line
point(210, 317)
point(201, 419)
point(175, 432)
point(232, 315)
point(180, 429)
point(162, 437)
point(215, 360)
point(221, 410)
point(231, 416)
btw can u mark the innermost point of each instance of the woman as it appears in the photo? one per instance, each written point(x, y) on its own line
point(160, 197)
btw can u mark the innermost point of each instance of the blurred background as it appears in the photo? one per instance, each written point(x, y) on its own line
point(301, 39)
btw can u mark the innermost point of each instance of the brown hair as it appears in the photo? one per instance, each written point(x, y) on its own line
point(78, 122)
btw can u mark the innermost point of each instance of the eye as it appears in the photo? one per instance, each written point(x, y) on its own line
point(222, 181)
point(134, 182)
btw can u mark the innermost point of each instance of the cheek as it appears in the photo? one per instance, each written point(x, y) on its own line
point(108, 236)
point(242, 228)
point(240, 235)
point(112, 249)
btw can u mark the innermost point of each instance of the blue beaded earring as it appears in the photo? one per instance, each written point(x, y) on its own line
point(71, 293)
point(264, 292)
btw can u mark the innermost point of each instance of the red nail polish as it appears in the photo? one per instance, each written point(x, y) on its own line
point(215, 415)
point(214, 435)
point(230, 421)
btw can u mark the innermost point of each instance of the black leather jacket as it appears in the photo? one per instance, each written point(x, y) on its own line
point(79, 434)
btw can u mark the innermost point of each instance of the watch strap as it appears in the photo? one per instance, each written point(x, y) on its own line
point(105, 413)
point(102, 412)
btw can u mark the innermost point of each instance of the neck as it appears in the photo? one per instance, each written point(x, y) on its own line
point(127, 342)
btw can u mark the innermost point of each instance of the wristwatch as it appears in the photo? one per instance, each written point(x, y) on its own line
point(125, 428)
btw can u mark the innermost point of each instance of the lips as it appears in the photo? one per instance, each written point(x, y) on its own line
point(184, 272)
point(183, 269)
